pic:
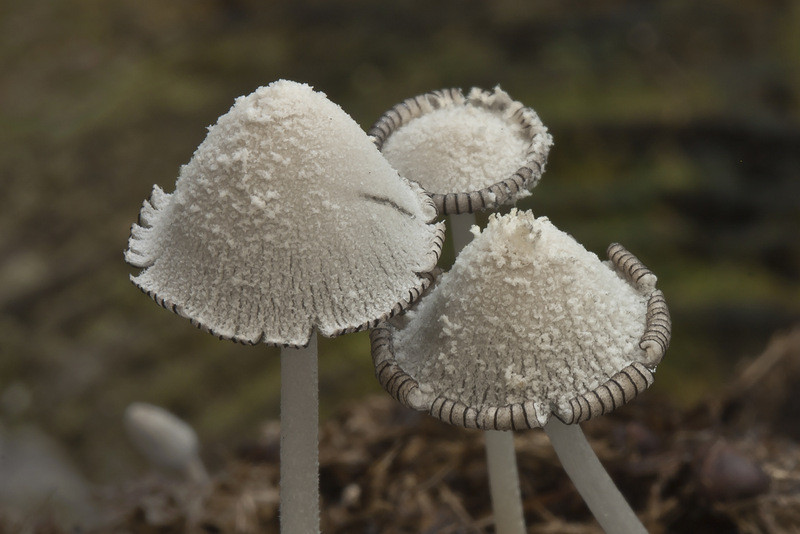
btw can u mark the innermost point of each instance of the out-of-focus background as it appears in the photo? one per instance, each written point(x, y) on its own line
point(677, 133)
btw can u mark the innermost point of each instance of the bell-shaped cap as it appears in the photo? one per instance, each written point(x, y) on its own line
point(469, 152)
point(526, 324)
point(286, 219)
point(164, 439)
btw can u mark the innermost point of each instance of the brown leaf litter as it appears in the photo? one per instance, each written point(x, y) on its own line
point(728, 465)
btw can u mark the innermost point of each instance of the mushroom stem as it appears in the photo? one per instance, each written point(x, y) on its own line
point(299, 491)
point(504, 482)
point(580, 462)
point(501, 458)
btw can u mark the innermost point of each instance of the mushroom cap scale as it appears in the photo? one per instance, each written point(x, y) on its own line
point(286, 219)
point(469, 152)
point(526, 324)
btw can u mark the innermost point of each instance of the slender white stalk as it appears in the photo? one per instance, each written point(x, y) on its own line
point(580, 462)
point(501, 458)
point(300, 440)
point(504, 482)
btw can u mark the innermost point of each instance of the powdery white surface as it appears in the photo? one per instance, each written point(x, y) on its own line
point(525, 313)
point(457, 149)
point(286, 217)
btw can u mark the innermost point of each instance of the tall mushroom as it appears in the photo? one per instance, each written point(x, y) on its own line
point(470, 153)
point(286, 221)
point(526, 325)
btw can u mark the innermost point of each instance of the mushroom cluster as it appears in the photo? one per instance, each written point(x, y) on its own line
point(289, 220)
point(527, 324)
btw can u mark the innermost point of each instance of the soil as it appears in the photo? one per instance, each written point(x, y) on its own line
point(727, 465)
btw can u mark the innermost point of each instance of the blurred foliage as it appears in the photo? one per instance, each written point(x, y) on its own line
point(677, 128)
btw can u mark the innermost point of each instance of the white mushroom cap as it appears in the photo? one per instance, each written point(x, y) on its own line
point(164, 439)
point(525, 324)
point(286, 219)
point(470, 153)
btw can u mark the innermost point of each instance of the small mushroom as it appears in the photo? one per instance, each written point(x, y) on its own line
point(726, 474)
point(526, 325)
point(165, 440)
point(469, 153)
point(287, 220)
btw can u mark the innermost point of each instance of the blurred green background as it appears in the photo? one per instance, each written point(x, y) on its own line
point(677, 133)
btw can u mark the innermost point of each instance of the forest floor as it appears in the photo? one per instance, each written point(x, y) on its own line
point(730, 464)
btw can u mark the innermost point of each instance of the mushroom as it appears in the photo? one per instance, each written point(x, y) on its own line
point(488, 135)
point(165, 440)
point(286, 221)
point(471, 153)
point(525, 326)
